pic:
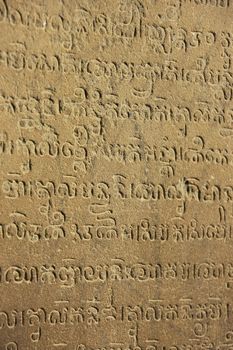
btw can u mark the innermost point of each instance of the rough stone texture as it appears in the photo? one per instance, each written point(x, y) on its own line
point(116, 186)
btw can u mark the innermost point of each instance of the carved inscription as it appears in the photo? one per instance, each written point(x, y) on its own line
point(116, 185)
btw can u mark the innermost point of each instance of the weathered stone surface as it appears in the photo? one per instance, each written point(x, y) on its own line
point(116, 186)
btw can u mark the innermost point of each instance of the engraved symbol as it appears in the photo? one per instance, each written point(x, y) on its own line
point(133, 334)
point(226, 132)
point(200, 329)
point(167, 171)
point(11, 346)
point(152, 344)
point(80, 347)
point(183, 132)
point(222, 214)
point(35, 337)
